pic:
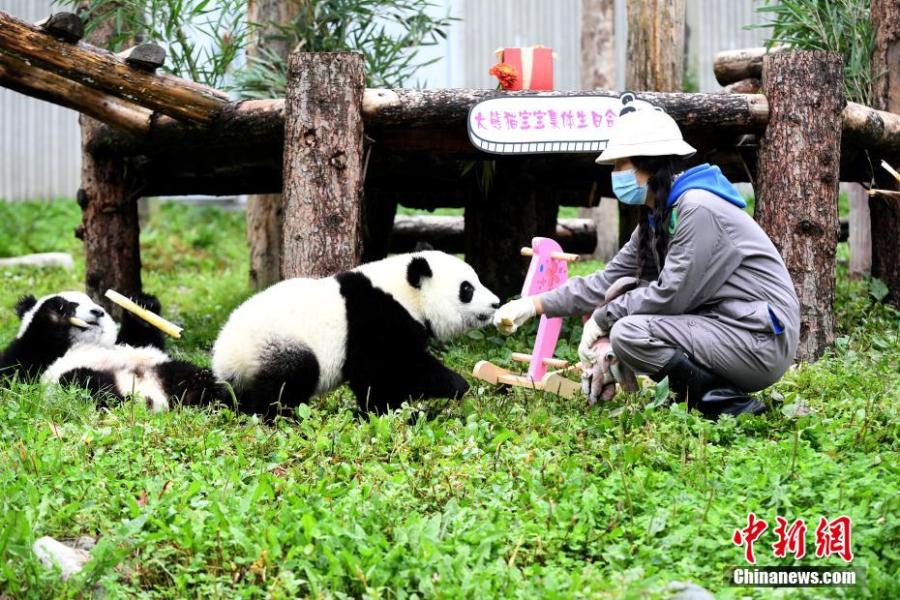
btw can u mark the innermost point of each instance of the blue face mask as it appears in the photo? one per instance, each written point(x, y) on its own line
point(626, 188)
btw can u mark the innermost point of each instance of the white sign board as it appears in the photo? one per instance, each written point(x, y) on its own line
point(546, 124)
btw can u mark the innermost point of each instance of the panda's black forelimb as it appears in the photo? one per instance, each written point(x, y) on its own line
point(387, 360)
point(421, 379)
point(134, 331)
point(100, 384)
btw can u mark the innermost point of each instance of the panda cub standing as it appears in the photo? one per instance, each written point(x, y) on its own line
point(369, 327)
point(67, 338)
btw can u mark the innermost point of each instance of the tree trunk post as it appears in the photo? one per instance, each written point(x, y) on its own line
point(323, 152)
point(655, 64)
point(885, 212)
point(797, 187)
point(498, 223)
point(598, 62)
point(110, 228)
point(265, 211)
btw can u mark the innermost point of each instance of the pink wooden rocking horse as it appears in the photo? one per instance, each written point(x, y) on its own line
point(548, 270)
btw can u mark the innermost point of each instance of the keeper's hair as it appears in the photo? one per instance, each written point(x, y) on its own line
point(662, 170)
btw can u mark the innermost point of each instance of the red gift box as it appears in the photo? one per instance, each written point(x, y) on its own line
point(534, 67)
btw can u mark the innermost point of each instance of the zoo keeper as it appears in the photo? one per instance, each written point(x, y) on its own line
point(715, 309)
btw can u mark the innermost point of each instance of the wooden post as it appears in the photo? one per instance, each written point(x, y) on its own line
point(265, 212)
point(497, 224)
point(323, 149)
point(885, 212)
point(860, 231)
point(797, 186)
point(598, 62)
point(655, 63)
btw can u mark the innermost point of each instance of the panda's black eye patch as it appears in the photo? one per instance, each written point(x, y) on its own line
point(466, 291)
point(61, 306)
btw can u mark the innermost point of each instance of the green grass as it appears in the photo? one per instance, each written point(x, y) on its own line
point(503, 495)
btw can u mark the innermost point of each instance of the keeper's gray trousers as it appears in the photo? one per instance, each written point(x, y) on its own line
point(751, 360)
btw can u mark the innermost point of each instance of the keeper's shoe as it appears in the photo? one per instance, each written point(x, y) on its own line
point(705, 391)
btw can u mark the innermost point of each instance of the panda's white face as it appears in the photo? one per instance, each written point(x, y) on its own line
point(453, 299)
point(96, 327)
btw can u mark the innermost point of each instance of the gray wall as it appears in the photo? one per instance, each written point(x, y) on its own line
point(39, 142)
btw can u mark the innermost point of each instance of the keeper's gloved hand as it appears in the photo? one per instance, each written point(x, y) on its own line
point(599, 382)
point(513, 315)
point(591, 333)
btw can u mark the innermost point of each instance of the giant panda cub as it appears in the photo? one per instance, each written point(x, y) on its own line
point(369, 327)
point(68, 339)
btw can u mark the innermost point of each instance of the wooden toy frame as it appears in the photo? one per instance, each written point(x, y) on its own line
point(549, 268)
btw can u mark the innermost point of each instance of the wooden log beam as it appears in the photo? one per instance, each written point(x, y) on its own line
point(254, 124)
point(870, 128)
point(431, 188)
point(15, 74)
point(445, 108)
point(732, 66)
point(416, 180)
point(323, 164)
point(240, 128)
point(797, 187)
point(396, 125)
point(104, 71)
point(446, 233)
point(751, 85)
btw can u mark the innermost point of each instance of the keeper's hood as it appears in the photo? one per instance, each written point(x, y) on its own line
point(705, 177)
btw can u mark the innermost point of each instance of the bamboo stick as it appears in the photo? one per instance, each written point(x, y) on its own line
point(154, 319)
point(887, 167)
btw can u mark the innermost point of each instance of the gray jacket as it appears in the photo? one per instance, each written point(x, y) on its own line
point(720, 263)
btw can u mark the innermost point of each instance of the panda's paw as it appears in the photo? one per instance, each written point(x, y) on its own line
point(458, 386)
point(137, 332)
point(145, 301)
point(148, 302)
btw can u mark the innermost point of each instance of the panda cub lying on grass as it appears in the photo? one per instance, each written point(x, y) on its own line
point(68, 339)
point(369, 327)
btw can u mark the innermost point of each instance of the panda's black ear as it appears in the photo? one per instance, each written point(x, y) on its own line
point(25, 304)
point(417, 270)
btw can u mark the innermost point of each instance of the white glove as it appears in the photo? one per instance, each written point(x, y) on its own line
point(513, 315)
point(592, 332)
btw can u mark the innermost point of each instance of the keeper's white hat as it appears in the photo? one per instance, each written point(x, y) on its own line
point(645, 132)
